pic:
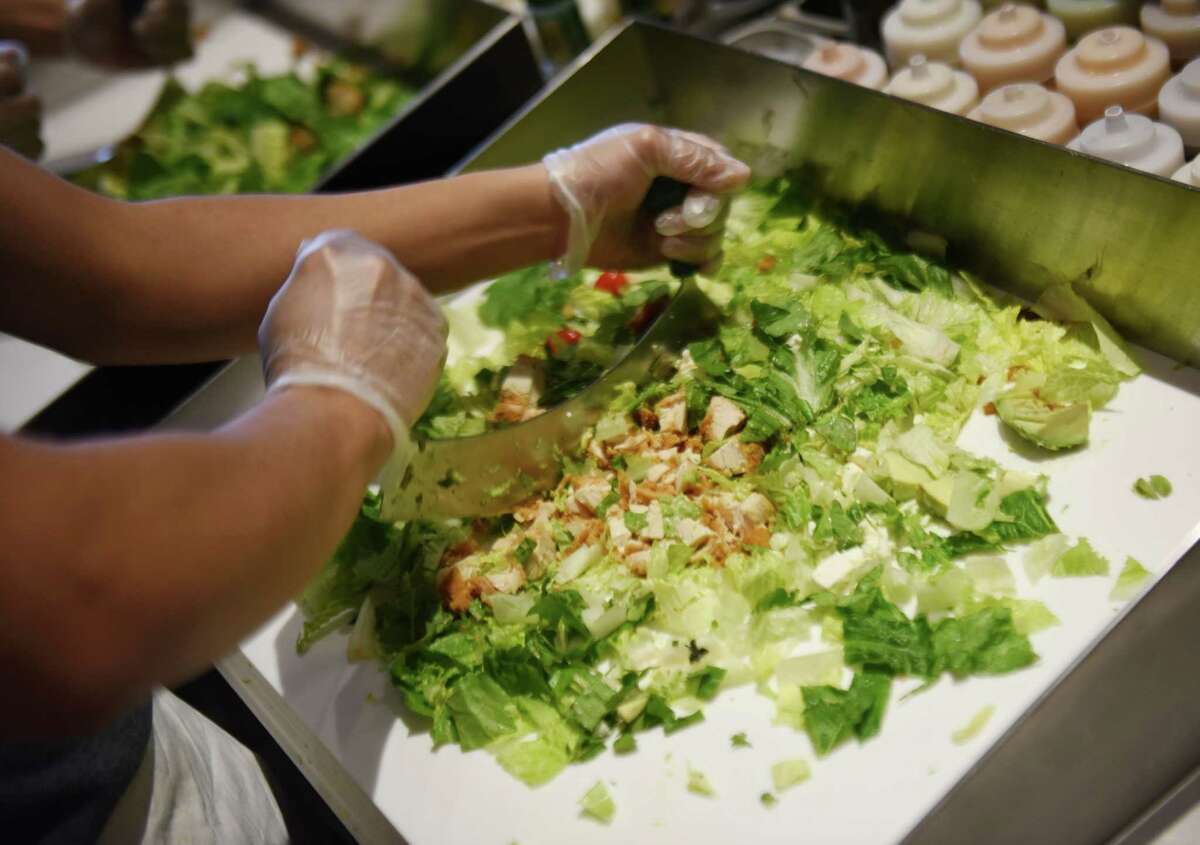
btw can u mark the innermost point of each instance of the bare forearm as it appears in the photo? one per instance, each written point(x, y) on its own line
point(131, 563)
point(189, 279)
point(38, 24)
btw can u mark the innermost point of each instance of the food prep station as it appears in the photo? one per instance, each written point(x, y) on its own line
point(472, 66)
point(1098, 742)
point(1070, 756)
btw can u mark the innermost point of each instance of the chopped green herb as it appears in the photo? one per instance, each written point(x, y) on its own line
point(739, 740)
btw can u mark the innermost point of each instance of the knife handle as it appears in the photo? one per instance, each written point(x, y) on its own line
point(667, 193)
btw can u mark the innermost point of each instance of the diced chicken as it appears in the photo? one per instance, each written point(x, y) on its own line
point(672, 414)
point(646, 418)
point(633, 442)
point(458, 590)
point(654, 522)
point(729, 459)
point(508, 542)
point(618, 532)
point(638, 561)
point(722, 418)
point(691, 532)
point(755, 510)
point(597, 452)
point(734, 458)
point(544, 549)
point(588, 494)
point(758, 535)
point(533, 510)
point(657, 473)
point(584, 533)
point(524, 377)
point(507, 580)
point(520, 392)
point(648, 492)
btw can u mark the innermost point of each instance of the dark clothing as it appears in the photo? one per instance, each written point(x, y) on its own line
point(63, 791)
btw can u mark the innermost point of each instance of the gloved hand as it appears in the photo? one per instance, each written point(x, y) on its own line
point(602, 182)
point(350, 317)
point(101, 32)
point(20, 113)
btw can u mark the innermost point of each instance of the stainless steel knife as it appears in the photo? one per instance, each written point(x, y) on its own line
point(492, 473)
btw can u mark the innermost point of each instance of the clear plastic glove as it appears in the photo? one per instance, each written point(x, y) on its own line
point(602, 182)
point(101, 31)
point(20, 112)
point(351, 318)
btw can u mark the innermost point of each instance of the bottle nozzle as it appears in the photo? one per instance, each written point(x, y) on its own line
point(1114, 119)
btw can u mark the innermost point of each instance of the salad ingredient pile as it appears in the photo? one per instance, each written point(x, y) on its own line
point(788, 510)
point(266, 134)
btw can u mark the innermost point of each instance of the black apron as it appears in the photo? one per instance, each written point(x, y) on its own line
point(63, 791)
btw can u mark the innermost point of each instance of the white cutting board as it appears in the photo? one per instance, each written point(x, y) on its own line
point(871, 793)
point(86, 109)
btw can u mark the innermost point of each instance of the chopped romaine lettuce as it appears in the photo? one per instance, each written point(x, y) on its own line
point(1129, 581)
point(698, 783)
point(788, 773)
point(787, 506)
point(1154, 487)
point(597, 804)
point(1080, 560)
point(972, 728)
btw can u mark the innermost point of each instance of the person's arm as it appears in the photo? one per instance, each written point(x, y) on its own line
point(41, 25)
point(188, 279)
point(134, 562)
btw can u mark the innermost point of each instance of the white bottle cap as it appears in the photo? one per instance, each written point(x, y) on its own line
point(1189, 174)
point(853, 64)
point(1133, 140)
point(930, 27)
point(1177, 23)
point(1117, 65)
point(1015, 43)
point(936, 85)
point(1179, 103)
point(1031, 110)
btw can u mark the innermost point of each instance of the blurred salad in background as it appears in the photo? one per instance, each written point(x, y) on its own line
point(265, 134)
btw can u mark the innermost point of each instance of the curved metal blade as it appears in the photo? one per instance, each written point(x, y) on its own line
point(492, 473)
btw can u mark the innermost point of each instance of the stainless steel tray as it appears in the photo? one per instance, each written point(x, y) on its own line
point(472, 62)
point(1112, 721)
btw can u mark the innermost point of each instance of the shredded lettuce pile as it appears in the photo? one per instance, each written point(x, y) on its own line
point(788, 510)
point(268, 133)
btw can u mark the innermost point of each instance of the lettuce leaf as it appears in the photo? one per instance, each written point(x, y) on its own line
point(597, 804)
point(832, 715)
point(1078, 561)
point(1129, 581)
